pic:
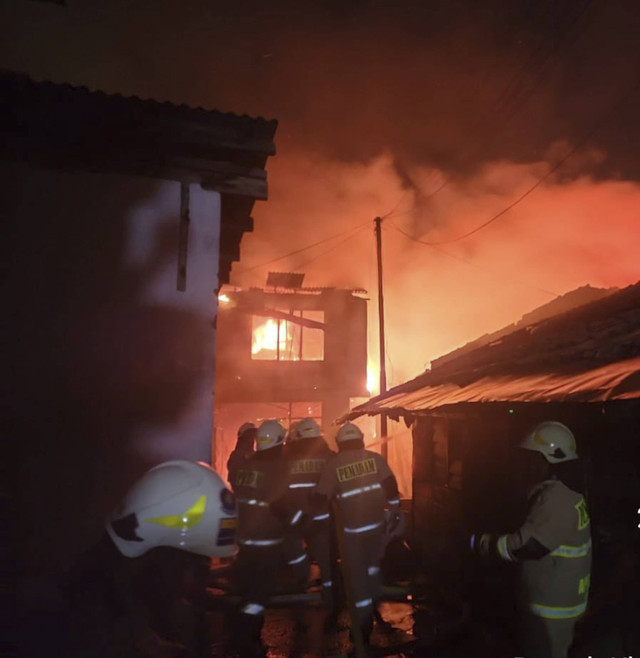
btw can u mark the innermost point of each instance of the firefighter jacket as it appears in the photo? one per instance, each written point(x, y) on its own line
point(556, 585)
point(261, 487)
point(363, 485)
point(242, 452)
point(305, 460)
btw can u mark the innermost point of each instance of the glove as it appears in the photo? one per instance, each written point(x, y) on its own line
point(480, 544)
point(393, 521)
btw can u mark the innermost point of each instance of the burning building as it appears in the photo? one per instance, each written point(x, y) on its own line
point(467, 412)
point(287, 352)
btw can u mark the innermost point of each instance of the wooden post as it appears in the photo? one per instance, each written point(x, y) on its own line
point(183, 237)
point(383, 358)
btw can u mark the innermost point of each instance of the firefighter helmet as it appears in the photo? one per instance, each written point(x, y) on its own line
point(307, 428)
point(270, 434)
point(245, 427)
point(292, 434)
point(349, 432)
point(553, 440)
point(178, 504)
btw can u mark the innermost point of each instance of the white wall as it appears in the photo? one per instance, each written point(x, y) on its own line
point(190, 437)
point(109, 368)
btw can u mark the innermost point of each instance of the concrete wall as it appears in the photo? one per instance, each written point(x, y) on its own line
point(109, 368)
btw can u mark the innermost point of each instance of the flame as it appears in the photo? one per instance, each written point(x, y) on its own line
point(223, 298)
point(373, 378)
point(265, 337)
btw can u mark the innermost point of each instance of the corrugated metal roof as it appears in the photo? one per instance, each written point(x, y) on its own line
point(588, 354)
point(615, 381)
point(60, 101)
point(72, 128)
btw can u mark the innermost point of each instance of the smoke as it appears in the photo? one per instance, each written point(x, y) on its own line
point(442, 112)
point(567, 233)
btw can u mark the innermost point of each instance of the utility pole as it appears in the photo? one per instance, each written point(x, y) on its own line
point(383, 360)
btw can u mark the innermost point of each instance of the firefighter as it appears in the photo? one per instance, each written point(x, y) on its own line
point(552, 547)
point(292, 432)
point(306, 454)
point(361, 486)
point(243, 450)
point(264, 517)
point(143, 585)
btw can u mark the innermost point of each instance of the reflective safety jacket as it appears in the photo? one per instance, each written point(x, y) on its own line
point(261, 487)
point(305, 460)
point(242, 452)
point(556, 585)
point(363, 485)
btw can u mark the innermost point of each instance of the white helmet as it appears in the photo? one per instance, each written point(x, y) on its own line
point(553, 440)
point(179, 504)
point(307, 428)
point(349, 432)
point(292, 434)
point(245, 427)
point(270, 434)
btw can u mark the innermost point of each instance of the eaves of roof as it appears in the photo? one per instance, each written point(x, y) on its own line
point(570, 356)
point(614, 381)
point(70, 128)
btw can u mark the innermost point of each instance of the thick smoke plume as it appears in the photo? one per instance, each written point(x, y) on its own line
point(565, 234)
point(380, 104)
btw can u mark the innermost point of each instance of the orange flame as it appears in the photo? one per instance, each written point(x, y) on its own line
point(373, 378)
point(265, 337)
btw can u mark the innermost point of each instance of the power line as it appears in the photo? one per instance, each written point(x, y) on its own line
point(602, 121)
point(470, 263)
point(501, 105)
point(332, 248)
point(298, 251)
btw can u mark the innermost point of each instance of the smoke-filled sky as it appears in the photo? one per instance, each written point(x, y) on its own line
point(438, 114)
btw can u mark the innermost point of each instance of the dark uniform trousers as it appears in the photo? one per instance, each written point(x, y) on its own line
point(257, 569)
point(361, 486)
point(305, 459)
point(264, 520)
point(362, 555)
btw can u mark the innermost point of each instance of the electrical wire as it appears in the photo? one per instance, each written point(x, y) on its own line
point(601, 122)
point(332, 248)
point(298, 251)
point(512, 88)
point(470, 263)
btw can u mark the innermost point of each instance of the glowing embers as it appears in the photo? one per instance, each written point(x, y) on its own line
point(277, 339)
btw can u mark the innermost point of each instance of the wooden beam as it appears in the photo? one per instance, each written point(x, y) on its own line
point(183, 239)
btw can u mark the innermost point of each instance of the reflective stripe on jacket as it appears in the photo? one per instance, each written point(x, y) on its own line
point(305, 459)
point(259, 486)
point(555, 586)
point(354, 478)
